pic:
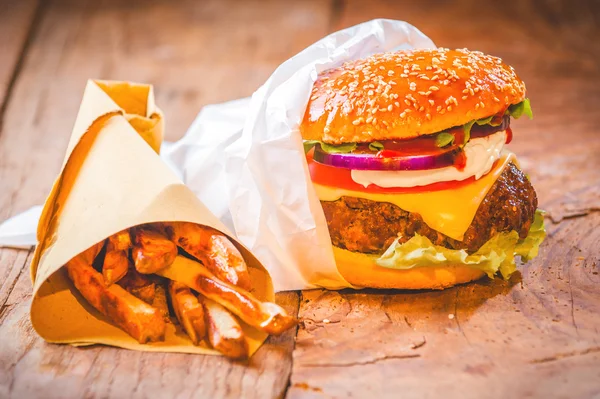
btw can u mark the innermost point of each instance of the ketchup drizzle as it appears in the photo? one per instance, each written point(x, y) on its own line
point(509, 135)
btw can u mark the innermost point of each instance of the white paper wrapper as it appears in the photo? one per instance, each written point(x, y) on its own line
point(245, 160)
point(249, 154)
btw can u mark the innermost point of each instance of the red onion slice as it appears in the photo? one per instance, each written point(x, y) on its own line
point(362, 161)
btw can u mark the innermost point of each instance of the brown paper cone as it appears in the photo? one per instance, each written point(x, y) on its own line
point(112, 180)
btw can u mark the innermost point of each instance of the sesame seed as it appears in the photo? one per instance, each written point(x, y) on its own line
point(355, 122)
point(464, 97)
point(428, 116)
point(423, 93)
point(313, 98)
point(403, 115)
point(449, 108)
point(390, 107)
point(407, 102)
point(434, 88)
point(397, 104)
point(369, 119)
point(431, 102)
point(421, 109)
point(370, 92)
point(390, 72)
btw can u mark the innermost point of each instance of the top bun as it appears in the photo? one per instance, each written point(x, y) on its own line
point(406, 94)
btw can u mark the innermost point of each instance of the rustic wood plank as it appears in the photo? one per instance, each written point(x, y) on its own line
point(16, 21)
point(195, 53)
point(537, 335)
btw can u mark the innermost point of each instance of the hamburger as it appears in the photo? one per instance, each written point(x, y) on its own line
point(406, 151)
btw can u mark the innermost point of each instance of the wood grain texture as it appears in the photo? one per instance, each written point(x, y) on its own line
point(537, 335)
point(16, 22)
point(195, 53)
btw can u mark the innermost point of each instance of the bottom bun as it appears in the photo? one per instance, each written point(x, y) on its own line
point(361, 270)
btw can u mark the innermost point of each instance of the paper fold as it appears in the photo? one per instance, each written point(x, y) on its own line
point(112, 180)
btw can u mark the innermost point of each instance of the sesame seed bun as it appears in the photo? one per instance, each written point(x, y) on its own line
point(407, 94)
point(361, 270)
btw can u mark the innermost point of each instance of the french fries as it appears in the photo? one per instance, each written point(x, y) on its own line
point(213, 249)
point(160, 301)
point(152, 250)
point(224, 332)
point(139, 285)
point(142, 274)
point(188, 311)
point(265, 316)
point(137, 318)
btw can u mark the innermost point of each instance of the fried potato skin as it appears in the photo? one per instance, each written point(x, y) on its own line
point(266, 316)
point(213, 249)
point(138, 319)
point(152, 250)
point(188, 311)
point(224, 332)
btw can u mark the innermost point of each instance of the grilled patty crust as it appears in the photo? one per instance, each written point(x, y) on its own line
point(366, 226)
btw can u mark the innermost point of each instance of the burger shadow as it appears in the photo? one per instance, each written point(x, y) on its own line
point(466, 298)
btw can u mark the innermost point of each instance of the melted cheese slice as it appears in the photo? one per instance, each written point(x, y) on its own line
point(448, 211)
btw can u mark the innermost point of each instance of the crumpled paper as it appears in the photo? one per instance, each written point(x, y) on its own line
point(245, 160)
point(256, 162)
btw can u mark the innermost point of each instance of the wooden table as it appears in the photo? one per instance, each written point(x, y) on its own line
point(537, 335)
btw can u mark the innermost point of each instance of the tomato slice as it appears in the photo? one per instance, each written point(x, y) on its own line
point(340, 177)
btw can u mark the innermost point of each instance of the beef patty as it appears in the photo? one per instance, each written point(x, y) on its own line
point(366, 226)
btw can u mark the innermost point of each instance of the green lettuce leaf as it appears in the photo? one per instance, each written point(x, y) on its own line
point(443, 139)
point(309, 144)
point(496, 255)
point(522, 108)
point(516, 111)
point(330, 148)
point(375, 146)
point(338, 149)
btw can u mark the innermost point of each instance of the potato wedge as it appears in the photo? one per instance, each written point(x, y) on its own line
point(188, 311)
point(152, 250)
point(116, 260)
point(224, 332)
point(160, 301)
point(213, 249)
point(266, 316)
point(137, 318)
point(116, 264)
point(139, 285)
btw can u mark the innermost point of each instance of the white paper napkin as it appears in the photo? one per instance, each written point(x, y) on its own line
point(246, 161)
